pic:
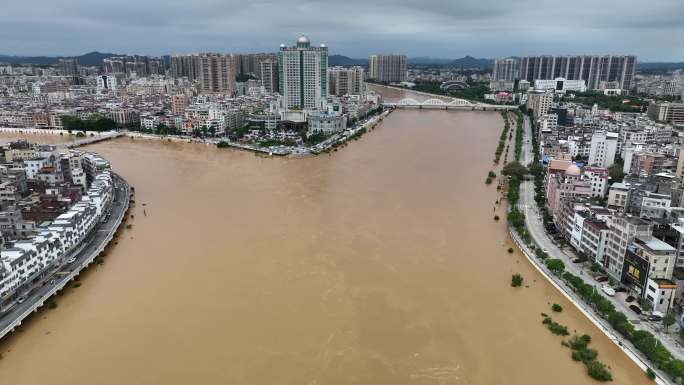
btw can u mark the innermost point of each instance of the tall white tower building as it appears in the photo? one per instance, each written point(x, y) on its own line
point(303, 77)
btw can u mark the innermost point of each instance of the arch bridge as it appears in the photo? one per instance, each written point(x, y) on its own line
point(451, 103)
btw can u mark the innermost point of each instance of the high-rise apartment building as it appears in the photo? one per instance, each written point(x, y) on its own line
point(250, 64)
point(346, 81)
point(505, 70)
point(140, 65)
point(185, 66)
point(68, 67)
point(391, 68)
point(216, 73)
point(114, 65)
point(268, 73)
point(373, 67)
point(303, 74)
point(598, 72)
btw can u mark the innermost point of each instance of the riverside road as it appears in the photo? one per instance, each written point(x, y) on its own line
point(59, 276)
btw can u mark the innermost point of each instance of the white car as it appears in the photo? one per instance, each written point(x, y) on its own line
point(608, 290)
point(71, 260)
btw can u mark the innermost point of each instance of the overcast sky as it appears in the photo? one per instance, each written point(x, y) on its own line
point(653, 30)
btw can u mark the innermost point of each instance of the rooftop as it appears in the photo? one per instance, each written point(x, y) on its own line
point(655, 244)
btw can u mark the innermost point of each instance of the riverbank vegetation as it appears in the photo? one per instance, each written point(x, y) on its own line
point(519, 133)
point(516, 280)
point(579, 345)
point(502, 139)
point(645, 342)
point(642, 340)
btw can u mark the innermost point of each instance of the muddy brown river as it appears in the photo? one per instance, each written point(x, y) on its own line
point(377, 264)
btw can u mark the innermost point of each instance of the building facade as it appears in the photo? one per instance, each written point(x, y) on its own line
point(268, 72)
point(391, 68)
point(346, 81)
point(217, 73)
point(303, 75)
point(598, 72)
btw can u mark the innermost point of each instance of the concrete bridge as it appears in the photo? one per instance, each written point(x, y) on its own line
point(94, 139)
point(452, 104)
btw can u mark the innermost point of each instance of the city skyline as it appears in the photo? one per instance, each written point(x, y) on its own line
point(446, 30)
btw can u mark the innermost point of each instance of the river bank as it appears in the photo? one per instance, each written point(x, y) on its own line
point(294, 151)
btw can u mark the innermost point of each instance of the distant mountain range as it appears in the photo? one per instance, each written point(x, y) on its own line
point(340, 60)
point(464, 62)
point(95, 58)
point(89, 59)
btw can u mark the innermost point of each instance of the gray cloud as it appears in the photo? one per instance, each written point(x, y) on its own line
point(442, 28)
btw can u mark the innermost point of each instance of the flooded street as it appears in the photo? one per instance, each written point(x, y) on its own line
point(377, 264)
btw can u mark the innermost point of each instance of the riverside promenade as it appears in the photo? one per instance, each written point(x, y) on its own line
point(84, 255)
point(536, 230)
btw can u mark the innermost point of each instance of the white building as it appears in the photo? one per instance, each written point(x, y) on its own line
point(149, 122)
point(303, 75)
point(26, 259)
point(560, 85)
point(106, 82)
point(603, 149)
point(623, 230)
point(327, 123)
point(598, 178)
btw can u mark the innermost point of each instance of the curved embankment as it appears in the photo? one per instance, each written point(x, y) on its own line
point(571, 296)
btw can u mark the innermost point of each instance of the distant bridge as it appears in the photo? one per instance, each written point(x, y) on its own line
point(95, 139)
point(453, 104)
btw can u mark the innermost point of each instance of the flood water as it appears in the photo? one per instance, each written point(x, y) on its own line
point(377, 264)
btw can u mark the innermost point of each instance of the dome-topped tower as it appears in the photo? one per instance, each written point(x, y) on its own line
point(303, 42)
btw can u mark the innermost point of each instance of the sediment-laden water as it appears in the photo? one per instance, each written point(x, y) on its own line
point(377, 264)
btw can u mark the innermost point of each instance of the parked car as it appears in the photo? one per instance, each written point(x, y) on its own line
point(71, 260)
point(620, 290)
point(629, 299)
point(21, 299)
point(635, 309)
point(608, 290)
point(655, 317)
point(602, 278)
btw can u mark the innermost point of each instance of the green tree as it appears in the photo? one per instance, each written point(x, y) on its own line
point(516, 280)
point(599, 371)
point(514, 169)
point(555, 265)
point(669, 320)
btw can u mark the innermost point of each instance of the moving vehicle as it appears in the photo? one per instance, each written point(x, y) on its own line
point(21, 299)
point(71, 260)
